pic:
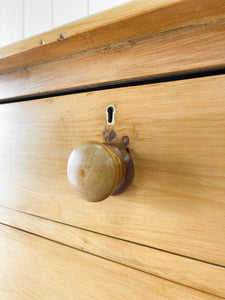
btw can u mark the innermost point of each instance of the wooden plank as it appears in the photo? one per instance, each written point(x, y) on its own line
point(178, 51)
point(131, 20)
point(36, 268)
point(176, 132)
point(182, 270)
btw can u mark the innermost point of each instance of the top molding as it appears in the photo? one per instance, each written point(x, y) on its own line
point(133, 20)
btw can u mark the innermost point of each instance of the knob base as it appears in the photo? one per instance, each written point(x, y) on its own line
point(129, 167)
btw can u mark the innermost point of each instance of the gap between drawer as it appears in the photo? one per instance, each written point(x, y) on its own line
point(187, 271)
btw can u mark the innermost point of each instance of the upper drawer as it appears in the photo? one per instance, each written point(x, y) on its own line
point(141, 39)
point(176, 136)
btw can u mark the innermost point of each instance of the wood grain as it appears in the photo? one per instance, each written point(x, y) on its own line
point(176, 133)
point(47, 270)
point(184, 50)
point(132, 20)
point(182, 270)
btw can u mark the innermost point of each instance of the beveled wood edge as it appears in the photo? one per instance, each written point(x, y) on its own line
point(186, 50)
point(132, 20)
point(186, 271)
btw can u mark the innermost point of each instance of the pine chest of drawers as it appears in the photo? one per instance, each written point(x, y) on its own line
point(157, 68)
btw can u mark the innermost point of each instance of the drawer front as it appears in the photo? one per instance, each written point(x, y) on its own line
point(36, 268)
point(176, 134)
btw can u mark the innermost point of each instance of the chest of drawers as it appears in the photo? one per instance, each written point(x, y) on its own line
point(160, 66)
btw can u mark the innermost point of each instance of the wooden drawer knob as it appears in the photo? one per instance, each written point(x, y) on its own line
point(96, 171)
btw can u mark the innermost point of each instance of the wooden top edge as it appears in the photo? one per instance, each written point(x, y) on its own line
point(110, 16)
point(129, 21)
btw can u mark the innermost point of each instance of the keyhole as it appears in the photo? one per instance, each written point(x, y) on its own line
point(110, 114)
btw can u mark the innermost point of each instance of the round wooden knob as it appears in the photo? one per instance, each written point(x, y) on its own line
point(96, 171)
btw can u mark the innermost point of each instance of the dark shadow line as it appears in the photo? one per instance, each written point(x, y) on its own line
point(122, 83)
point(114, 237)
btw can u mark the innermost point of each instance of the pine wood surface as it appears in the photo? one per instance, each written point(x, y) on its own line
point(176, 132)
point(36, 268)
point(135, 19)
point(189, 272)
point(195, 48)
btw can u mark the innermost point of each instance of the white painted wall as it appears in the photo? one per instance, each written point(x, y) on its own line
point(21, 19)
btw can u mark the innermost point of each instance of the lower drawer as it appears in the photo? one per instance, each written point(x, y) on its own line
point(32, 267)
point(176, 134)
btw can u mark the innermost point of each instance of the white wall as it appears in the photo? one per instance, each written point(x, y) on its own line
point(21, 19)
